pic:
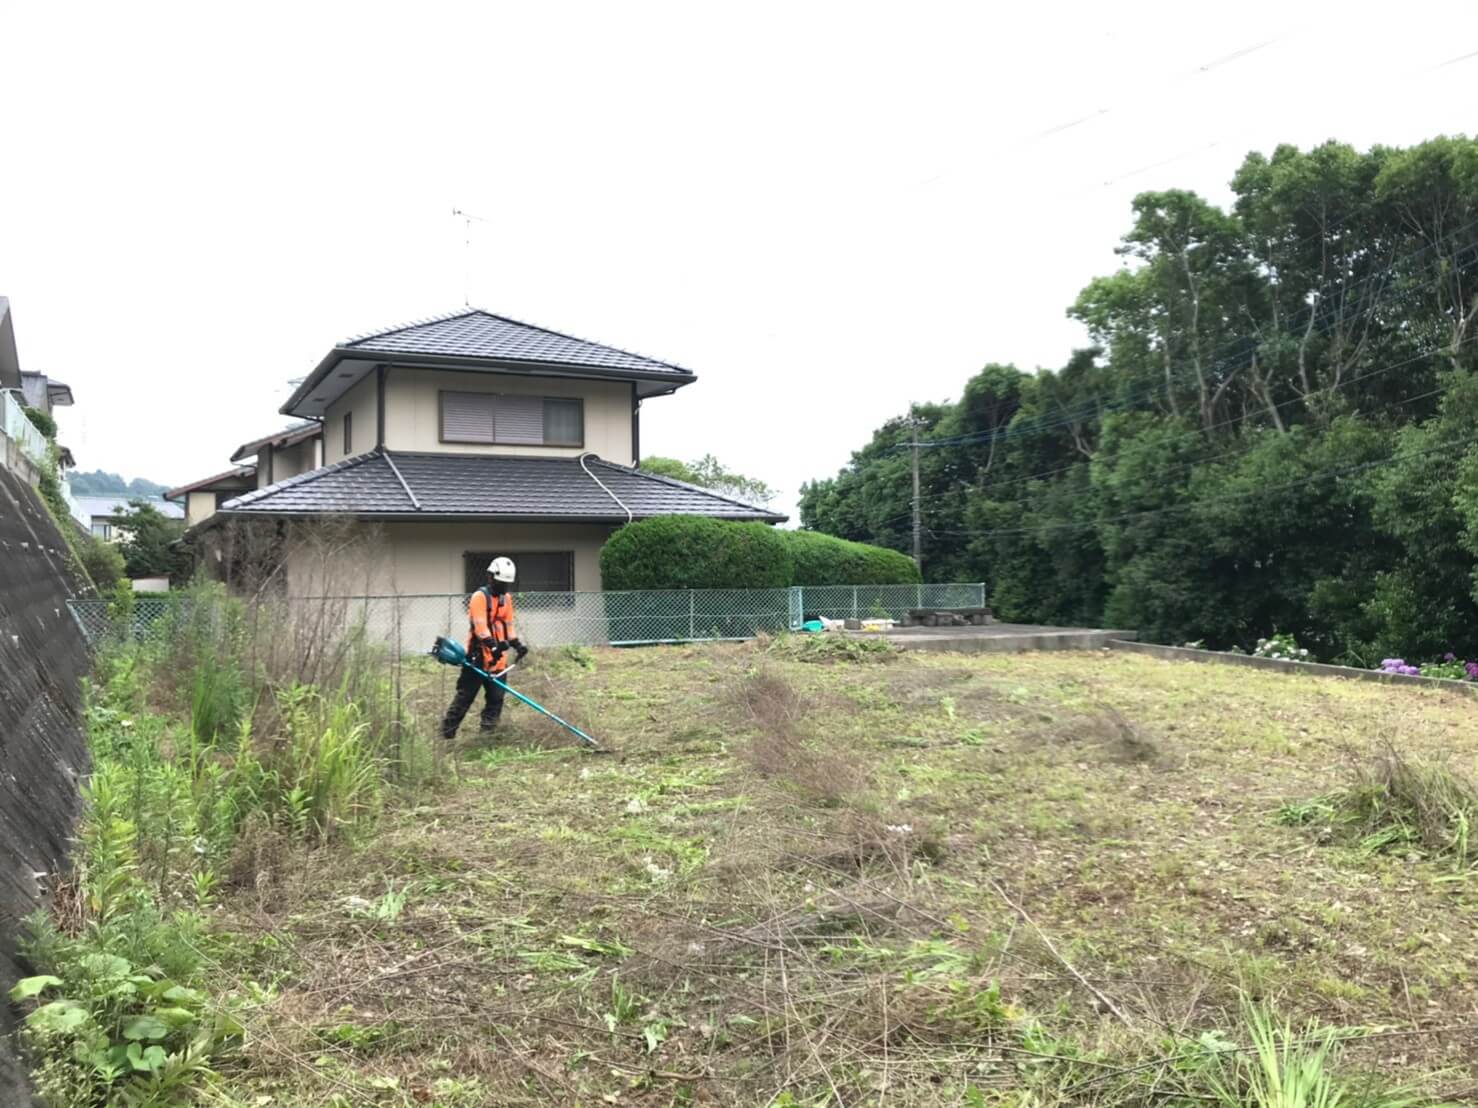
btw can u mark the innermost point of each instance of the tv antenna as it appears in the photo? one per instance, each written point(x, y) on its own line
point(467, 219)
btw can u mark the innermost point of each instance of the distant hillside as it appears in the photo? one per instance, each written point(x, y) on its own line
point(98, 483)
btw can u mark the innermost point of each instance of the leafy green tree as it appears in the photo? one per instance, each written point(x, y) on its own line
point(1275, 430)
point(150, 549)
point(709, 473)
point(103, 562)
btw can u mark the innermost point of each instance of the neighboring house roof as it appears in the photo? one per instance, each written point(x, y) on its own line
point(278, 440)
point(43, 392)
point(473, 338)
point(391, 485)
point(235, 473)
point(110, 507)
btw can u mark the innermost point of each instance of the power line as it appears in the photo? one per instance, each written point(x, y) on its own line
point(1183, 505)
point(1227, 422)
point(1222, 363)
point(1129, 402)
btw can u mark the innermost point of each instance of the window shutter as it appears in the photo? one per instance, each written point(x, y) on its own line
point(564, 422)
point(467, 417)
point(519, 419)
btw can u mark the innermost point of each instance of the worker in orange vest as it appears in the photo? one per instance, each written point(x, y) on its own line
point(490, 637)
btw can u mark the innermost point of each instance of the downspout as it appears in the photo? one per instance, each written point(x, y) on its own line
point(635, 426)
point(380, 407)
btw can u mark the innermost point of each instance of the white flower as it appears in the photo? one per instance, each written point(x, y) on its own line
point(900, 828)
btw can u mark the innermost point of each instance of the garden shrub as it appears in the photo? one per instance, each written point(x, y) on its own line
point(694, 552)
point(822, 559)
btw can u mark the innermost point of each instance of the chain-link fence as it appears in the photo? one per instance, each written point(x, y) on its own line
point(98, 619)
point(592, 618)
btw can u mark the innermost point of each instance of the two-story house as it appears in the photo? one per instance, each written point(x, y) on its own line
point(255, 465)
point(471, 435)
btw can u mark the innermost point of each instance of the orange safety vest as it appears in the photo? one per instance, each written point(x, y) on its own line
point(489, 616)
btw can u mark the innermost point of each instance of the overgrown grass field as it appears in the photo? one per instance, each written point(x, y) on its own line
point(808, 875)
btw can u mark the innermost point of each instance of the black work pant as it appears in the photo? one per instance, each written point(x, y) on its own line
point(468, 683)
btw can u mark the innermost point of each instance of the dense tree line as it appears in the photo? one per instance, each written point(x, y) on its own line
point(98, 482)
point(1276, 429)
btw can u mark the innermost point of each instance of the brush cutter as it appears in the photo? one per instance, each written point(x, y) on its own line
point(452, 653)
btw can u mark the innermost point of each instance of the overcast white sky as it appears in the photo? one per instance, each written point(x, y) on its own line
point(826, 210)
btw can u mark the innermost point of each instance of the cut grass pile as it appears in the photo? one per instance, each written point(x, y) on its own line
point(1394, 802)
point(813, 875)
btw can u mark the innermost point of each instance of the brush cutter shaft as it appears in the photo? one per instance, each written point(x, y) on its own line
point(534, 704)
point(451, 652)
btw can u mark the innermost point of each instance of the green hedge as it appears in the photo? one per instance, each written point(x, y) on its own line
point(693, 552)
point(827, 560)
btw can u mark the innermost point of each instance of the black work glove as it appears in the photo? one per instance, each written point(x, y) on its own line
point(519, 650)
point(489, 649)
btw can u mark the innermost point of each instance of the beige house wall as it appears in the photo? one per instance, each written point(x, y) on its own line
point(411, 559)
point(275, 465)
point(199, 506)
point(293, 460)
point(363, 401)
point(413, 412)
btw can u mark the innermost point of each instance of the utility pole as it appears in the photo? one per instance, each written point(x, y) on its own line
point(918, 526)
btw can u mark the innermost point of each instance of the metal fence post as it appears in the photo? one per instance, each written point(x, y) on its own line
point(854, 601)
point(692, 601)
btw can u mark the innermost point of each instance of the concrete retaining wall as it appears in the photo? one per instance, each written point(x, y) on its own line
point(43, 752)
point(1309, 669)
point(998, 638)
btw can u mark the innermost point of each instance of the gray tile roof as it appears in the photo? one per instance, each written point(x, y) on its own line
point(234, 474)
point(108, 507)
point(485, 486)
point(473, 333)
point(288, 436)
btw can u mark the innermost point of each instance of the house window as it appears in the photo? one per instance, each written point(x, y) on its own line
point(348, 432)
point(102, 530)
point(547, 571)
point(507, 420)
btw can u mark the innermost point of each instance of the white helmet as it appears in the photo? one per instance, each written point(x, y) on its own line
point(502, 569)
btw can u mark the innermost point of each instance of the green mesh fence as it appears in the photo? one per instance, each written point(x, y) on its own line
point(411, 623)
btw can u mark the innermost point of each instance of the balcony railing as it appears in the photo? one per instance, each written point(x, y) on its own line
point(20, 430)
